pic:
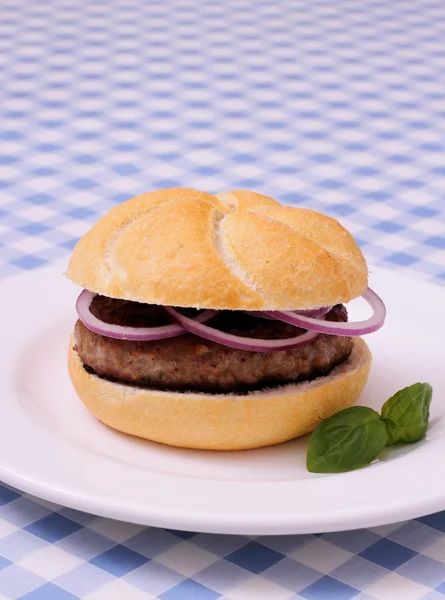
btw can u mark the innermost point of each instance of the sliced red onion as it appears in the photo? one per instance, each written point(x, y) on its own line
point(236, 341)
point(333, 328)
point(261, 314)
point(119, 332)
point(316, 312)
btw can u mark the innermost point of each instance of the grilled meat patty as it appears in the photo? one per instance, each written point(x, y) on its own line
point(190, 363)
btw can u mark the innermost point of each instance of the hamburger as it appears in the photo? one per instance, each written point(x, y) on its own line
point(218, 321)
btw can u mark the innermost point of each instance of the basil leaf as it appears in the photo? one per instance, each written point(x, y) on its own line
point(406, 413)
point(350, 439)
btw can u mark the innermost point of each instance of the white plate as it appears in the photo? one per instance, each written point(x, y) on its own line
point(51, 447)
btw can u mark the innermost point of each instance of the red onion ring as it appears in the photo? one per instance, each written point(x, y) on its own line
point(316, 312)
point(236, 341)
point(333, 328)
point(303, 319)
point(119, 332)
point(260, 314)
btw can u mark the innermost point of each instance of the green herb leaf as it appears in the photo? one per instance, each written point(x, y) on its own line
point(350, 439)
point(406, 413)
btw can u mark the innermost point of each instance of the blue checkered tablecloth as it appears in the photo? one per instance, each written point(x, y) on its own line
point(338, 106)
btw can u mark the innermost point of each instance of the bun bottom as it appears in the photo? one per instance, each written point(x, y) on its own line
point(222, 421)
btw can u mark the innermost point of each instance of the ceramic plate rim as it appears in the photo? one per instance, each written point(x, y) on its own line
point(46, 485)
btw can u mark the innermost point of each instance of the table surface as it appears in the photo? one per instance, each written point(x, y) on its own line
point(335, 106)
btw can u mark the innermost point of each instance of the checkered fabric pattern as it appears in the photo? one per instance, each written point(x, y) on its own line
point(337, 106)
point(53, 553)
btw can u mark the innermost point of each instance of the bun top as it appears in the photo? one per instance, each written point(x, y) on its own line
point(236, 250)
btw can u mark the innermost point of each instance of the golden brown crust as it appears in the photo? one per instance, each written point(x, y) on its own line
point(222, 422)
point(237, 250)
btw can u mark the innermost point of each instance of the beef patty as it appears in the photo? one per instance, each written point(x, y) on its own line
point(189, 363)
